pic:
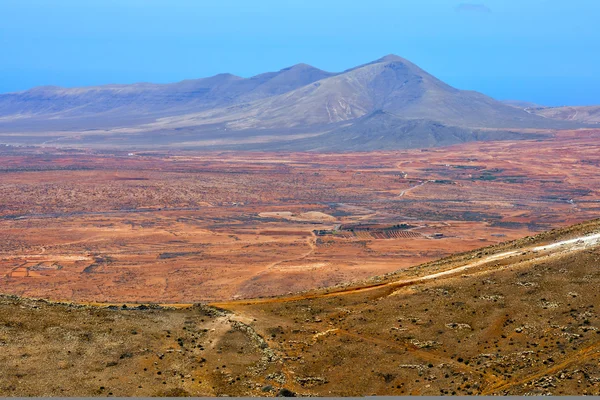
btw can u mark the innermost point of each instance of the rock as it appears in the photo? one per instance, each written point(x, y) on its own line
point(283, 392)
point(454, 325)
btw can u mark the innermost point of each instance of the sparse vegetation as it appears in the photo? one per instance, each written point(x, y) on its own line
point(445, 337)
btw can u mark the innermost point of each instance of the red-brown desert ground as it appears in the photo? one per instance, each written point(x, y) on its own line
point(186, 226)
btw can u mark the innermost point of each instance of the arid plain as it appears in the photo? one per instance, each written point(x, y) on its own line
point(170, 227)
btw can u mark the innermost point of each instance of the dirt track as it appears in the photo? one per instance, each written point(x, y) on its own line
point(511, 343)
point(529, 254)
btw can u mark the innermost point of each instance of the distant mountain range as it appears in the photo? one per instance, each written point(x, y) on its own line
point(386, 104)
point(583, 114)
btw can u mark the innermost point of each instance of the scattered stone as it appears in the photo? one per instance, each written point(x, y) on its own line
point(283, 392)
point(454, 325)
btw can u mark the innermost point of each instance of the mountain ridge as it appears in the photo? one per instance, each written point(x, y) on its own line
point(295, 101)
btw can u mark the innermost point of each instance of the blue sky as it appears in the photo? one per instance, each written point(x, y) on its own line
point(545, 51)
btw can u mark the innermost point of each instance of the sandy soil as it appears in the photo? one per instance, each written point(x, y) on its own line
point(186, 227)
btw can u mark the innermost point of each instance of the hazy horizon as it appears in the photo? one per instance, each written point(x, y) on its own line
point(541, 51)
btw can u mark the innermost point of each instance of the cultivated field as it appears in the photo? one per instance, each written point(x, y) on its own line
point(188, 227)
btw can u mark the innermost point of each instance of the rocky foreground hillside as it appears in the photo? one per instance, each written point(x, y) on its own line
point(518, 318)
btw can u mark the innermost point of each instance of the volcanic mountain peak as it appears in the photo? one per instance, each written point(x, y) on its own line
point(390, 84)
point(392, 61)
point(297, 100)
point(390, 57)
point(301, 67)
point(286, 79)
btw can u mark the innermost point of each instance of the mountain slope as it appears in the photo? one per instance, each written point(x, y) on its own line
point(157, 99)
point(521, 104)
point(271, 109)
point(390, 84)
point(584, 114)
point(382, 130)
